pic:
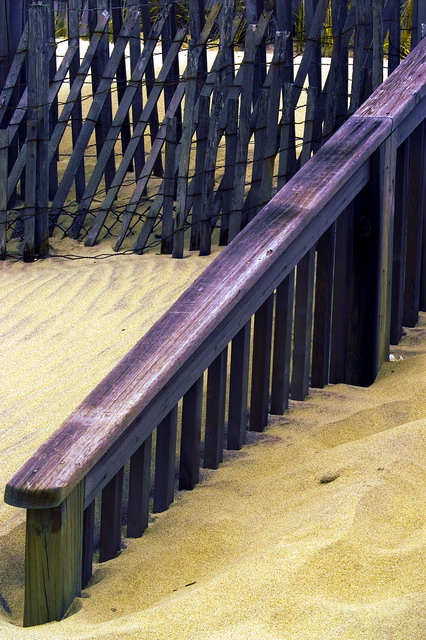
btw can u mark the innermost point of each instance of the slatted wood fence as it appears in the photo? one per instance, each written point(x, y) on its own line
point(336, 260)
point(230, 120)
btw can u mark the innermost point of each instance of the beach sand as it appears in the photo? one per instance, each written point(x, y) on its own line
point(314, 531)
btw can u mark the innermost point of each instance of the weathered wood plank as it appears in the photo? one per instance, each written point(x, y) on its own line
point(283, 325)
point(269, 248)
point(169, 187)
point(393, 99)
point(88, 544)
point(13, 74)
point(125, 104)
point(36, 231)
point(326, 249)
point(189, 462)
point(198, 180)
point(244, 134)
point(185, 153)
point(230, 158)
point(128, 155)
point(67, 109)
point(53, 559)
point(261, 365)
point(238, 388)
point(4, 156)
point(100, 70)
point(215, 411)
point(369, 310)
point(303, 326)
point(400, 240)
point(341, 285)
point(416, 202)
point(73, 18)
point(111, 510)
point(96, 118)
point(165, 462)
point(139, 488)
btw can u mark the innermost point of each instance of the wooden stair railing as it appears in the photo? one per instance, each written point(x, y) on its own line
point(336, 226)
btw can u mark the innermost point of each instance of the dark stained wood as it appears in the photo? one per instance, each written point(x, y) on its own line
point(369, 306)
point(169, 187)
point(261, 365)
point(139, 488)
point(416, 201)
point(99, 71)
point(303, 326)
point(185, 341)
point(4, 145)
point(238, 388)
point(326, 248)
point(284, 303)
point(202, 138)
point(341, 286)
point(88, 544)
point(230, 158)
point(165, 462)
point(111, 509)
point(215, 411)
point(400, 240)
point(189, 462)
point(73, 16)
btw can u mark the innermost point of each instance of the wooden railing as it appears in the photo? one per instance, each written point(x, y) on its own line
point(335, 225)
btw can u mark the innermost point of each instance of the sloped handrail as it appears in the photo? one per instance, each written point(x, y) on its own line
point(360, 163)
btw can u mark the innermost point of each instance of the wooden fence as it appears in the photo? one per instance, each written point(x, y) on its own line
point(346, 232)
point(233, 131)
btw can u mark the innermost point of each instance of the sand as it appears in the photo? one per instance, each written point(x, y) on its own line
point(315, 530)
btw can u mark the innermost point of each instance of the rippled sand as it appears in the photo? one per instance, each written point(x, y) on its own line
point(316, 530)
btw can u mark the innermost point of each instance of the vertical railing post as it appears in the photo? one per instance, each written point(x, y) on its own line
point(418, 29)
point(370, 295)
point(415, 225)
point(53, 559)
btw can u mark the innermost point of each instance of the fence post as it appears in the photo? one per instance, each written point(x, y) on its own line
point(418, 29)
point(4, 144)
point(53, 559)
point(36, 230)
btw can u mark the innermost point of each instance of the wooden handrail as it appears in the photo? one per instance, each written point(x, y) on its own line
point(86, 454)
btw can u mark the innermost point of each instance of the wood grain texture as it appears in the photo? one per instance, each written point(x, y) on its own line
point(53, 559)
point(401, 91)
point(162, 366)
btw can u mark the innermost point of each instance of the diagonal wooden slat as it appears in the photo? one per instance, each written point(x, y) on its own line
point(122, 112)
point(66, 110)
point(13, 75)
point(94, 112)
